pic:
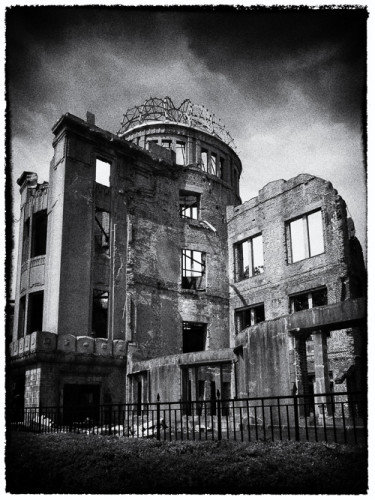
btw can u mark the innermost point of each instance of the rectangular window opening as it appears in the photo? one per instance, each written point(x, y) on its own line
point(213, 164)
point(189, 205)
point(193, 337)
point(26, 240)
point(249, 316)
point(35, 312)
point(21, 316)
point(308, 300)
point(306, 236)
point(248, 256)
point(100, 314)
point(39, 234)
point(166, 143)
point(222, 168)
point(102, 172)
point(102, 232)
point(204, 160)
point(180, 153)
point(193, 270)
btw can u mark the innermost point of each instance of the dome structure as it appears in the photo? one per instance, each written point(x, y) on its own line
point(195, 136)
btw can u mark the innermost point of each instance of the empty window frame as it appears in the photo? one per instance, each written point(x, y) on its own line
point(189, 205)
point(248, 256)
point(26, 240)
point(222, 163)
point(35, 312)
point(193, 270)
point(166, 143)
point(213, 164)
point(308, 300)
point(102, 172)
point(248, 316)
point(193, 337)
point(102, 232)
point(180, 153)
point(100, 314)
point(204, 160)
point(39, 233)
point(306, 236)
point(21, 316)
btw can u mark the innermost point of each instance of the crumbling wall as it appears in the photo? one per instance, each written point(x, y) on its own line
point(278, 203)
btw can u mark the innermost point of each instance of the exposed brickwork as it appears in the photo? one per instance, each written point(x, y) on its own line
point(139, 273)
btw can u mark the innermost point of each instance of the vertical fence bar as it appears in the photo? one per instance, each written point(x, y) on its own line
point(315, 427)
point(264, 421)
point(256, 423)
point(234, 422)
point(354, 421)
point(324, 422)
point(279, 416)
point(296, 420)
point(248, 420)
point(343, 421)
point(287, 420)
point(158, 417)
point(218, 416)
point(334, 420)
point(241, 423)
point(271, 421)
point(306, 421)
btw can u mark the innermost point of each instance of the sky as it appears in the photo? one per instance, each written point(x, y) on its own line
point(289, 84)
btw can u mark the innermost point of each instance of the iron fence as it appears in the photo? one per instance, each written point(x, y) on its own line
point(339, 417)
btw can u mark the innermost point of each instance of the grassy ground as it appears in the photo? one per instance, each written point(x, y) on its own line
point(69, 463)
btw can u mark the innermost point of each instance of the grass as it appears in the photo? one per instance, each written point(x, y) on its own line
point(75, 463)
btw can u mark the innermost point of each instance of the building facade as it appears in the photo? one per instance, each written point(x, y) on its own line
point(141, 273)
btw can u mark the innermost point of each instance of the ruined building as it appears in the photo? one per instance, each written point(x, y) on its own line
point(141, 273)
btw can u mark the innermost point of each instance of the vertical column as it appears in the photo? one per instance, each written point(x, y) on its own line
point(321, 368)
point(301, 368)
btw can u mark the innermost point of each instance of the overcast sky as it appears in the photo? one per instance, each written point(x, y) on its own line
point(288, 84)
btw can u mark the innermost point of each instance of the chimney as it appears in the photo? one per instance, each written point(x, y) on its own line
point(90, 118)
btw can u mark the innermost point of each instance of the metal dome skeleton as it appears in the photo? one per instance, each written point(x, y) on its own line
point(164, 110)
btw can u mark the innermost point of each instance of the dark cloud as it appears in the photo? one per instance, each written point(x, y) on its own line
point(288, 84)
point(321, 51)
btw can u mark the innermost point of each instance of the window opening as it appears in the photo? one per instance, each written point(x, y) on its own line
point(193, 337)
point(102, 231)
point(35, 312)
point(249, 258)
point(193, 269)
point(81, 403)
point(180, 153)
point(103, 172)
point(166, 143)
point(21, 316)
point(39, 234)
point(26, 240)
point(249, 316)
point(213, 164)
point(306, 236)
point(222, 168)
point(307, 300)
point(189, 205)
point(100, 314)
point(204, 160)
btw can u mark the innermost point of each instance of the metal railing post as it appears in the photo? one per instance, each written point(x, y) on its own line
point(158, 417)
point(218, 416)
point(296, 418)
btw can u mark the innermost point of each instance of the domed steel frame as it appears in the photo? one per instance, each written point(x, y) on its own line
point(164, 110)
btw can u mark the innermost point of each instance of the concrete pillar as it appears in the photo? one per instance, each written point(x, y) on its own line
point(301, 365)
point(321, 368)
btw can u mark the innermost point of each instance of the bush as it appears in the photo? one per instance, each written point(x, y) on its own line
point(68, 463)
